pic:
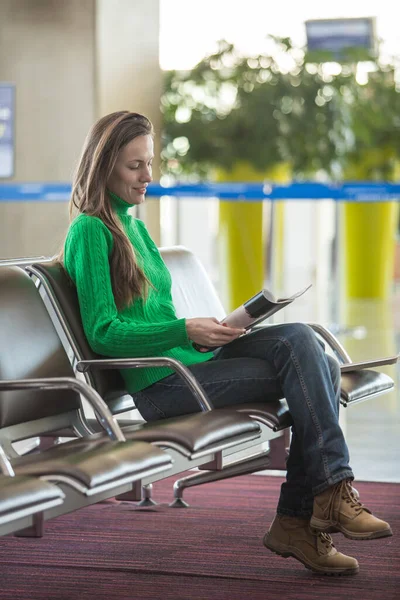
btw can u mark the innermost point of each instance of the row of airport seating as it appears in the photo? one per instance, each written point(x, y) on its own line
point(49, 375)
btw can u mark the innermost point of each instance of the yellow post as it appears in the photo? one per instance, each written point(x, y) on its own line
point(369, 240)
point(369, 247)
point(241, 237)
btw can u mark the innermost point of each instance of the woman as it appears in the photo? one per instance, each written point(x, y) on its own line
point(124, 291)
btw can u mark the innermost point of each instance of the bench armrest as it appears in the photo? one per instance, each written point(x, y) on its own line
point(162, 361)
point(5, 465)
point(25, 261)
point(332, 342)
point(62, 383)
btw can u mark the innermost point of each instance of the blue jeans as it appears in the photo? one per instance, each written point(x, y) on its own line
point(277, 361)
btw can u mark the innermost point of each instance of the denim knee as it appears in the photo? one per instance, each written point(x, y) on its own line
point(300, 333)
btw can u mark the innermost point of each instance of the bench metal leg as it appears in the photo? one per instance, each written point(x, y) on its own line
point(241, 467)
point(147, 500)
point(133, 495)
point(279, 450)
point(142, 493)
point(36, 530)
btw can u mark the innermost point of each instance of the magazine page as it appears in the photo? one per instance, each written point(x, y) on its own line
point(239, 318)
point(258, 308)
point(369, 364)
point(296, 295)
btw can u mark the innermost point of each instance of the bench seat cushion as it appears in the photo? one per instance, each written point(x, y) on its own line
point(198, 432)
point(94, 463)
point(361, 385)
point(275, 414)
point(26, 494)
point(191, 434)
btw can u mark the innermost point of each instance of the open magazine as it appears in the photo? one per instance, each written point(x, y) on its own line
point(257, 309)
point(264, 305)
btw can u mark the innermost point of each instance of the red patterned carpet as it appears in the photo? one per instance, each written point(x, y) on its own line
point(211, 551)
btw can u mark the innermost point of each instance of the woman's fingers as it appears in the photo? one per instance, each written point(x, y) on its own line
point(224, 335)
point(230, 332)
point(209, 332)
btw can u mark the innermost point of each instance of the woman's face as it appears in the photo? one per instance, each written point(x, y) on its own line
point(132, 171)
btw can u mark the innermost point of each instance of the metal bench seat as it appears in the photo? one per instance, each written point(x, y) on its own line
point(357, 386)
point(197, 435)
point(201, 438)
point(39, 393)
point(23, 497)
point(91, 465)
point(193, 295)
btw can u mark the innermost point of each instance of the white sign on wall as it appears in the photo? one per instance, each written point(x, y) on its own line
point(7, 116)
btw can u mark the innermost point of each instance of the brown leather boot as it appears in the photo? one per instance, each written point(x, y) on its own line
point(291, 536)
point(339, 509)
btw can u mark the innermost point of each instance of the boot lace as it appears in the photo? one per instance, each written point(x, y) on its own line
point(349, 496)
point(343, 491)
point(324, 540)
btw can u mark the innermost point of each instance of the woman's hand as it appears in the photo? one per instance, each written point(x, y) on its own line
point(209, 333)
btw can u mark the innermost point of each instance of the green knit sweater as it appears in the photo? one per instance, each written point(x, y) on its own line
point(148, 327)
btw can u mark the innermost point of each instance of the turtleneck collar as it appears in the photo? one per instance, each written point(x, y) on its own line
point(120, 206)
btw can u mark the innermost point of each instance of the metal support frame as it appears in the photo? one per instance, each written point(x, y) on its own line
point(25, 261)
point(247, 465)
point(140, 363)
point(36, 530)
point(5, 465)
point(100, 408)
point(332, 342)
point(241, 466)
point(84, 366)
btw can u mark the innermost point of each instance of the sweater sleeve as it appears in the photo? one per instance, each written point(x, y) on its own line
point(87, 250)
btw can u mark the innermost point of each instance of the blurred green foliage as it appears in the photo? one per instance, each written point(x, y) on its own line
point(317, 116)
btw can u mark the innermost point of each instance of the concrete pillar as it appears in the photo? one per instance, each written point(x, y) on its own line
point(128, 74)
point(71, 62)
point(47, 50)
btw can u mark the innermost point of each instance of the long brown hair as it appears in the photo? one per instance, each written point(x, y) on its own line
point(89, 195)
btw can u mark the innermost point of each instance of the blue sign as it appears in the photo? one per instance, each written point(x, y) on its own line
point(338, 36)
point(7, 116)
